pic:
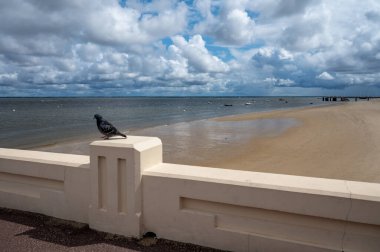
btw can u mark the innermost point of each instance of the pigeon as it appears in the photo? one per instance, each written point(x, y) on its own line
point(106, 128)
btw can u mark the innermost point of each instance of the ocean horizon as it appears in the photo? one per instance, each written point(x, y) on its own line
point(29, 122)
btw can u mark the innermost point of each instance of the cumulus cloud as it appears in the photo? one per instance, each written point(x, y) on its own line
point(8, 77)
point(231, 26)
point(122, 26)
point(325, 76)
point(291, 7)
point(173, 47)
point(197, 55)
point(271, 56)
point(279, 82)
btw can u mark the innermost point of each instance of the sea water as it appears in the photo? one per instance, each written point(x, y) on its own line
point(33, 122)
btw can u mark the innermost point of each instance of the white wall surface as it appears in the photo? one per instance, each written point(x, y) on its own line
point(128, 190)
point(54, 184)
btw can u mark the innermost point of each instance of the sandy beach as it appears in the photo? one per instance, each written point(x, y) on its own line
point(339, 141)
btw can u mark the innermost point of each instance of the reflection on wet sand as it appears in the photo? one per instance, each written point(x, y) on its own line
point(202, 142)
point(337, 142)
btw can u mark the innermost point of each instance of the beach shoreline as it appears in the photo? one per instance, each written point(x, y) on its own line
point(338, 141)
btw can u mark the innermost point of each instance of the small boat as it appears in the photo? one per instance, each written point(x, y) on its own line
point(228, 105)
point(248, 103)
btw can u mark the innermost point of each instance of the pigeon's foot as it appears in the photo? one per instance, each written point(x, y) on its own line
point(121, 134)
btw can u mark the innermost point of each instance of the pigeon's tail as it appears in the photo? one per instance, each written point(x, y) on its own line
point(121, 134)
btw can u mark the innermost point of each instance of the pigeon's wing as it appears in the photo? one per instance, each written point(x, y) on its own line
point(107, 128)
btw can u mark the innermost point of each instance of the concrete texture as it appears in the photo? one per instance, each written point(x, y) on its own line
point(128, 190)
point(116, 171)
point(54, 184)
point(248, 211)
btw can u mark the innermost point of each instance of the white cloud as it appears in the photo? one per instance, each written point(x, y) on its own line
point(8, 77)
point(197, 54)
point(325, 76)
point(88, 52)
point(122, 26)
point(234, 46)
point(236, 28)
point(279, 82)
point(271, 57)
point(232, 27)
point(285, 55)
point(167, 23)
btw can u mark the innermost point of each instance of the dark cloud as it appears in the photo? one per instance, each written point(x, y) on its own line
point(292, 7)
point(373, 16)
point(299, 36)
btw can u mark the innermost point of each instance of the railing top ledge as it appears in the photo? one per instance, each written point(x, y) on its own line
point(138, 143)
point(45, 157)
point(292, 183)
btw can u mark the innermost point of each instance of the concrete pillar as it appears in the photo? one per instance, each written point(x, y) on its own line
point(116, 171)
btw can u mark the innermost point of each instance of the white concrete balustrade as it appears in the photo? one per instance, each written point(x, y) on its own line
point(125, 188)
point(49, 183)
point(116, 191)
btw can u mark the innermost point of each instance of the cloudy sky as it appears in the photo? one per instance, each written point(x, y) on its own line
point(205, 47)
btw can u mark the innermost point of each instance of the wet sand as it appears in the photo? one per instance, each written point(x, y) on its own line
point(341, 142)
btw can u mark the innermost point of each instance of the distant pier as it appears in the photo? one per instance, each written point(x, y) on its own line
point(346, 98)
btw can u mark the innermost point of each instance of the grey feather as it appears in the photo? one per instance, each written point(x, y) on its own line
point(106, 128)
